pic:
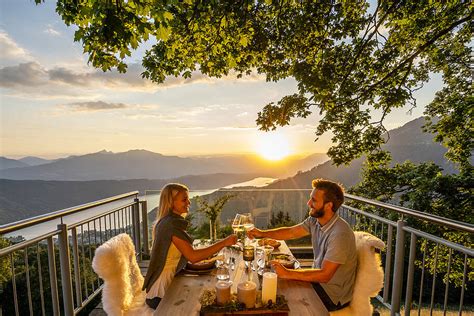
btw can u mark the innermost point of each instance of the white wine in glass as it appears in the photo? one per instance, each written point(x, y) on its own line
point(247, 221)
point(238, 227)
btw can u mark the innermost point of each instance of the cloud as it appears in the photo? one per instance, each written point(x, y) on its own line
point(93, 106)
point(51, 31)
point(25, 74)
point(9, 49)
point(31, 79)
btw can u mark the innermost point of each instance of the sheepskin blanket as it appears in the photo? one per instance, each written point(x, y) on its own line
point(115, 262)
point(369, 277)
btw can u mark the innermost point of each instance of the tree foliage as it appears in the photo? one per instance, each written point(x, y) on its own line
point(281, 220)
point(353, 63)
point(213, 211)
point(423, 187)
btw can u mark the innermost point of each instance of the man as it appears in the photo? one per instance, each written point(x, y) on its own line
point(335, 258)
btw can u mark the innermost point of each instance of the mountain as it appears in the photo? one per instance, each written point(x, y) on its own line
point(408, 142)
point(26, 198)
point(34, 161)
point(142, 164)
point(6, 163)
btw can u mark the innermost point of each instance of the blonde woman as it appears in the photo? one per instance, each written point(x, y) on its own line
point(172, 246)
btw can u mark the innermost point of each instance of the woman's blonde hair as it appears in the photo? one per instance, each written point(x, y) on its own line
point(167, 195)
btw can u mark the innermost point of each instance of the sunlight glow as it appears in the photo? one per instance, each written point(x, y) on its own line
point(273, 146)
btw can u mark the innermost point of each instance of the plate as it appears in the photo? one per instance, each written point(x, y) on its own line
point(269, 242)
point(200, 272)
point(200, 266)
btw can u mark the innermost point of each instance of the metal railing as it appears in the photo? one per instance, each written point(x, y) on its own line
point(406, 256)
point(74, 245)
point(413, 261)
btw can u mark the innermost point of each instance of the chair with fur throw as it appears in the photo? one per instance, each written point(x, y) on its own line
point(115, 263)
point(369, 276)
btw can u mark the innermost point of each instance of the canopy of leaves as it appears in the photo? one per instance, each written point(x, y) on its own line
point(353, 63)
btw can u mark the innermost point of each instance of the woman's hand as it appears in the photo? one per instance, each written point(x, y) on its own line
point(230, 240)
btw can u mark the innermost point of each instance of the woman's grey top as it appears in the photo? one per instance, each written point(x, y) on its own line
point(169, 226)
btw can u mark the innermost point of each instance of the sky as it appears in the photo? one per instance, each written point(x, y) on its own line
point(53, 104)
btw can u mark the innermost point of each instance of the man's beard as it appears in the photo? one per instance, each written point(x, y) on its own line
point(316, 213)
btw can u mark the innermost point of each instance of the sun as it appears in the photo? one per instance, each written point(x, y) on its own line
point(272, 146)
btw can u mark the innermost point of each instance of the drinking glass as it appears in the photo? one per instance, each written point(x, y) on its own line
point(238, 227)
point(222, 273)
point(247, 222)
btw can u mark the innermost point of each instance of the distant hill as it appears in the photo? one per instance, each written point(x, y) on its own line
point(6, 163)
point(26, 198)
point(408, 142)
point(142, 164)
point(34, 161)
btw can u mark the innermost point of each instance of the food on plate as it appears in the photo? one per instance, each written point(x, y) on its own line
point(269, 242)
point(286, 260)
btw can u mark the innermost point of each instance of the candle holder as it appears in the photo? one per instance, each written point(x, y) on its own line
point(249, 253)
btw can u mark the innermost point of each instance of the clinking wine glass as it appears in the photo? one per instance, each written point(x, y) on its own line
point(238, 227)
point(247, 222)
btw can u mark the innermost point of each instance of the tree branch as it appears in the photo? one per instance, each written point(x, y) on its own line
point(410, 58)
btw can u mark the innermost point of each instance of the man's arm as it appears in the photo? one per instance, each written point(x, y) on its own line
point(285, 233)
point(322, 275)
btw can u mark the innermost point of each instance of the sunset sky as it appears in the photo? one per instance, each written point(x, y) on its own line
point(53, 104)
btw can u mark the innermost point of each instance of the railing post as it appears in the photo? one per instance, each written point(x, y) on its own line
point(136, 226)
point(411, 272)
point(65, 264)
point(146, 249)
point(398, 268)
point(52, 277)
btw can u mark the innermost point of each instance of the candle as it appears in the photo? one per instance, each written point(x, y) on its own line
point(269, 287)
point(247, 293)
point(223, 292)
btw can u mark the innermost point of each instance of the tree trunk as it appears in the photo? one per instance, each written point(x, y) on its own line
point(212, 230)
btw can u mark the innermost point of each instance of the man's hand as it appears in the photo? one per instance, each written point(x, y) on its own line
point(254, 233)
point(279, 269)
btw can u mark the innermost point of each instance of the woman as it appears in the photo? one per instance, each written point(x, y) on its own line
point(172, 246)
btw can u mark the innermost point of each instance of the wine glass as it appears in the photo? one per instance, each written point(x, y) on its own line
point(247, 221)
point(238, 226)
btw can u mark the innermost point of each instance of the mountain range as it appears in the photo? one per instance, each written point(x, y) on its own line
point(407, 142)
point(142, 164)
point(25, 198)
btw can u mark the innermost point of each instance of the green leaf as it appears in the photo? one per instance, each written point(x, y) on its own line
point(163, 33)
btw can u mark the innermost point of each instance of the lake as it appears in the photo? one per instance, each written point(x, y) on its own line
point(151, 196)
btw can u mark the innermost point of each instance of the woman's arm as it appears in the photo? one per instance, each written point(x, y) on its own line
point(196, 255)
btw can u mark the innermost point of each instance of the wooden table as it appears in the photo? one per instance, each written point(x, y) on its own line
point(182, 297)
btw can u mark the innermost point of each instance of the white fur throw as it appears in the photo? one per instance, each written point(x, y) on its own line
point(115, 262)
point(369, 277)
